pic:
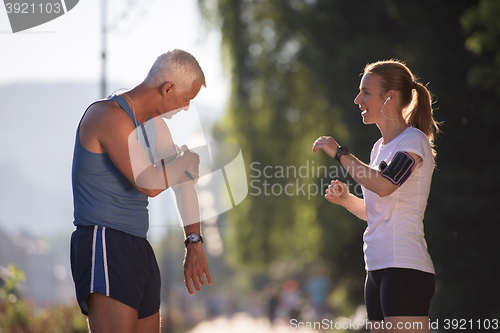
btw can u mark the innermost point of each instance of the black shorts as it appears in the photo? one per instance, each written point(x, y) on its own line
point(398, 292)
point(117, 265)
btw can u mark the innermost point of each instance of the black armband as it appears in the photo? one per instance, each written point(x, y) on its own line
point(399, 169)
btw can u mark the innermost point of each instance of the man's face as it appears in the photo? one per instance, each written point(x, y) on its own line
point(179, 100)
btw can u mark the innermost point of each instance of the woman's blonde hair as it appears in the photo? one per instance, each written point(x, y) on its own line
point(416, 99)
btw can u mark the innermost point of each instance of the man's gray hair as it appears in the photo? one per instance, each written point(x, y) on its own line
point(177, 66)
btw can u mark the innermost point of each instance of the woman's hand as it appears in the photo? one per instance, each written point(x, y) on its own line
point(337, 193)
point(328, 144)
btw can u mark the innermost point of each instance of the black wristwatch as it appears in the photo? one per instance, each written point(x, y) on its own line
point(193, 238)
point(340, 152)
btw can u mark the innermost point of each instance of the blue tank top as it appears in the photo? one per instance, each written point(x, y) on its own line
point(101, 193)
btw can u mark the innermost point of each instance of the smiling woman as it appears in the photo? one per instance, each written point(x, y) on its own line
point(400, 273)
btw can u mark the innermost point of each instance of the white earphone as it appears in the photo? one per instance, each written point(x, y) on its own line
point(388, 98)
point(381, 111)
point(382, 108)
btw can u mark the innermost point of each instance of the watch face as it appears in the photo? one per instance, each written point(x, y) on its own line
point(194, 237)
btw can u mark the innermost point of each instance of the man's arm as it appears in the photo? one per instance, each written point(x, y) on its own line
point(116, 134)
point(195, 261)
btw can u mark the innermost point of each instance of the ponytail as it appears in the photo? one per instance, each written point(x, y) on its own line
point(415, 98)
point(420, 114)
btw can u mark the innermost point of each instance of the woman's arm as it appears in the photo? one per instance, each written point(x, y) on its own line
point(369, 178)
point(338, 193)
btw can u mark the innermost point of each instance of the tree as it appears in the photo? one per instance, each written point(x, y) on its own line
point(482, 24)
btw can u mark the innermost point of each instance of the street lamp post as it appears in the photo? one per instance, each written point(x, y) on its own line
point(103, 46)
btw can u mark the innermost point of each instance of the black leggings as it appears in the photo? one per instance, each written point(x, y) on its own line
point(398, 292)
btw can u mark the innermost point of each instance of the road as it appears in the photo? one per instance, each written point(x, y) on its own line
point(244, 323)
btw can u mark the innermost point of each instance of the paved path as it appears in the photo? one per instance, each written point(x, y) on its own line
point(244, 323)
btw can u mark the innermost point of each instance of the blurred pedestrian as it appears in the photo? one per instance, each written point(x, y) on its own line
point(317, 287)
point(289, 300)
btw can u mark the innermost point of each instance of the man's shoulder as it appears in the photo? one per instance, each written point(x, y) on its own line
point(104, 122)
point(106, 108)
point(108, 113)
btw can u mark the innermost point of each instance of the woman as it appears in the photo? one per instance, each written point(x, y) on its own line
point(400, 273)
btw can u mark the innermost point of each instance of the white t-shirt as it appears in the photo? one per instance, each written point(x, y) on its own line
point(395, 233)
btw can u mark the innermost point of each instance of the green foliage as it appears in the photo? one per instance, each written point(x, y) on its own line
point(482, 23)
point(14, 277)
point(483, 26)
point(280, 104)
point(278, 110)
point(18, 315)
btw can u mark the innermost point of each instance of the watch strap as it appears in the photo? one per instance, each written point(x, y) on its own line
point(340, 152)
point(189, 241)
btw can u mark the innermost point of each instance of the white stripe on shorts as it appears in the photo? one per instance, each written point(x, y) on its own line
point(105, 259)
point(93, 260)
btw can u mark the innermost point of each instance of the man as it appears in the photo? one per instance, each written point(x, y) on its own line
point(124, 154)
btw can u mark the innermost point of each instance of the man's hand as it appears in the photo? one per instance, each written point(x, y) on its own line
point(193, 167)
point(195, 268)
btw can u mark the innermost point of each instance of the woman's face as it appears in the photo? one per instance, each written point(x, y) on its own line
point(370, 99)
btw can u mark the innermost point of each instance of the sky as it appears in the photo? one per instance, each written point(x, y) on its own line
point(65, 53)
point(68, 48)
